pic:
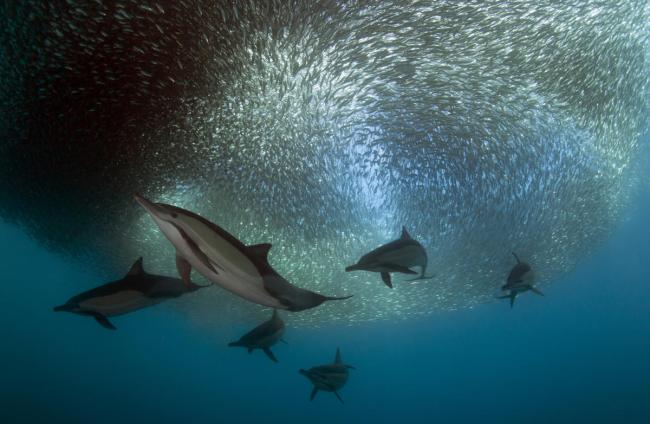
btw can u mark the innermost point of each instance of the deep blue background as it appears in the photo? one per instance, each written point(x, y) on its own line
point(580, 354)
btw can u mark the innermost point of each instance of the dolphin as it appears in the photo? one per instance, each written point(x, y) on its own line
point(226, 261)
point(520, 280)
point(329, 378)
point(138, 289)
point(263, 336)
point(397, 256)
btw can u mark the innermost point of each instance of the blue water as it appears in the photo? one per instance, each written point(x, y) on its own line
point(580, 354)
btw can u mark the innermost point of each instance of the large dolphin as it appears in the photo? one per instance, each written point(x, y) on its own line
point(263, 336)
point(520, 280)
point(138, 289)
point(226, 261)
point(329, 378)
point(397, 256)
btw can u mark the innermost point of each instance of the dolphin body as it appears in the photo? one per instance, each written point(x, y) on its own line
point(329, 378)
point(226, 261)
point(138, 289)
point(263, 336)
point(397, 256)
point(520, 280)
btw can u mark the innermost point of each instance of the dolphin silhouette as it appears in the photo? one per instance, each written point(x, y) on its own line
point(329, 378)
point(263, 336)
point(226, 261)
point(520, 280)
point(137, 290)
point(397, 256)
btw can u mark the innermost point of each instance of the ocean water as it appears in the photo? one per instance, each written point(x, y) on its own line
point(579, 354)
point(484, 128)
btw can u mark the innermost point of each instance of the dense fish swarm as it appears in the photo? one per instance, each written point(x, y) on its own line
point(484, 127)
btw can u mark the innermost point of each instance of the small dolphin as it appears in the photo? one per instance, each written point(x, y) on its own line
point(263, 336)
point(520, 280)
point(329, 378)
point(138, 289)
point(397, 256)
point(226, 261)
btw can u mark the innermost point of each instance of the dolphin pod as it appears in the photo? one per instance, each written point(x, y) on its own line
point(245, 271)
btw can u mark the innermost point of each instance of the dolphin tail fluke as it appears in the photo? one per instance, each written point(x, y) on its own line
point(337, 297)
point(399, 268)
point(536, 291)
point(103, 321)
point(385, 277)
point(313, 393)
point(422, 277)
point(270, 354)
point(338, 396)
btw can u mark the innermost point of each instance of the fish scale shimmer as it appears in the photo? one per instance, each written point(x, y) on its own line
point(323, 128)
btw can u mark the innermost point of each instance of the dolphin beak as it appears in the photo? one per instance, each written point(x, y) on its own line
point(149, 206)
point(352, 268)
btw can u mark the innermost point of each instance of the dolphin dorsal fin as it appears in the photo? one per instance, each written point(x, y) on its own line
point(260, 250)
point(338, 359)
point(136, 268)
point(405, 234)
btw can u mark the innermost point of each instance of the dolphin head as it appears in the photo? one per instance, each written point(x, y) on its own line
point(159, 211)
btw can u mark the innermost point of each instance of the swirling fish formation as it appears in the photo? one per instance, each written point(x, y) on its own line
point(323, 128)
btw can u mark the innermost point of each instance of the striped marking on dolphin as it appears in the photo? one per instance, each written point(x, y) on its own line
point(226, 261)
point(329, 378)
point(263, 336)
point(397, 256)
point(137, 290)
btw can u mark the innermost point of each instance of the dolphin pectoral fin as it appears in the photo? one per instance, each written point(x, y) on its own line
point(103, 321)
point(338, 396)
point(510, 296)
point(398, 268)
point(270, 354)
point(184, 269)
point(284, 341)
point(536, 290)
point(386, 279)
point(313, 393)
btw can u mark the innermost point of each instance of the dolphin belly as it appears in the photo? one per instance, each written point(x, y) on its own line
point(121, 302)
point(240, 281)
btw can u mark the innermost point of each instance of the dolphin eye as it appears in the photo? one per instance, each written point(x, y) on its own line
point(174, 215)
